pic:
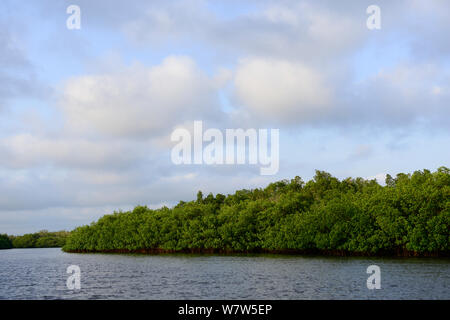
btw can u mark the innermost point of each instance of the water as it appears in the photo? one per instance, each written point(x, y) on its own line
point(41, 274)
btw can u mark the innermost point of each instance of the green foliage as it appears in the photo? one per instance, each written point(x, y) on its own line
point(411, 213)
point(5, 242)
point(41, 239)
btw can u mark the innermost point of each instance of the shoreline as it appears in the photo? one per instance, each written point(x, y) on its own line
point(327, 253)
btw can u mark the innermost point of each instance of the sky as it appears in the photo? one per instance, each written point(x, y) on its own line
point(86, 114)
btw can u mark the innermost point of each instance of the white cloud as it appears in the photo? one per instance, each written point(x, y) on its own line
point(26, 151)
point(140, 101)
point(380, 177)
point(401, 95)
point(281, 91)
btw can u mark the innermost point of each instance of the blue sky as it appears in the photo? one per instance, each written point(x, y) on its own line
point(86, 115)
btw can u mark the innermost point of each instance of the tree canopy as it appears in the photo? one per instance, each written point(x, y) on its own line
point(5, 242)
point(409, 215)
point(41, 239)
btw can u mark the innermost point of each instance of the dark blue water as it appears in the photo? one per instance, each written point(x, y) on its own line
point(41, 274)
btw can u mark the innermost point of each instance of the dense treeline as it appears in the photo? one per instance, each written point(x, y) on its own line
point(5, 242)
point(41, 239)
point(410, 215)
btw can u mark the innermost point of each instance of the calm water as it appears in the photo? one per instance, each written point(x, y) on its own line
point(41, 274)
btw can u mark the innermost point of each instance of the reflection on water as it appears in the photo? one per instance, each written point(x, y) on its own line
point(41, 274)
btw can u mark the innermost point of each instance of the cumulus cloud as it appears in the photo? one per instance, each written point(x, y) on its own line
point(286, 93)
point(140, 101)
point(281, 91)
point(17, 74)
point(25, 151)
point(403, 95)
point(288, 29)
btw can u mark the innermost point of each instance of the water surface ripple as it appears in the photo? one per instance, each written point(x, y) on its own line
point(41, 274)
